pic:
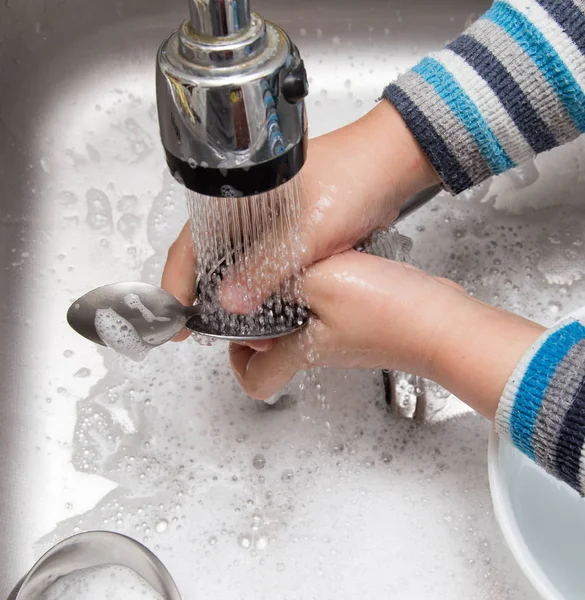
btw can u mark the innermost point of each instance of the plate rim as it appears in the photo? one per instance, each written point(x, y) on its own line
point(503, 511)
point(509, 527)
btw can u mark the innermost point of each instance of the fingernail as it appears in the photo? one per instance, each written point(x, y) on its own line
point(241, 366)
point(261, 345)
point(182, 335)
point(272, 399)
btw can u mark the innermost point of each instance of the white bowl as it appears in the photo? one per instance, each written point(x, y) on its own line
point(542, 519)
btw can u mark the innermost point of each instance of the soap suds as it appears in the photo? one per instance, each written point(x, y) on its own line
point(133, 301)
point(109, 582)
point(119, 335)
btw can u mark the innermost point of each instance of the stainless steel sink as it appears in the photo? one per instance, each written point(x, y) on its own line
point(325, 495)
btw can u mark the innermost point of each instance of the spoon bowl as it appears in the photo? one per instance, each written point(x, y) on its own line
point(156, 315)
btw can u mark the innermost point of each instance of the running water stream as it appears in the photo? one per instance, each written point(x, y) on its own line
point(252, 244)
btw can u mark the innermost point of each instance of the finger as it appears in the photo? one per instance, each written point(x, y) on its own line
point(327, 284)
point(262, 374)
point(240, 355)
point(260, 345)
point(179, 275)
point(182, 335)
point(324, 281)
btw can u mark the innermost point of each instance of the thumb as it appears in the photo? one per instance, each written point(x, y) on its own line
point(262, 374)
point(179, 275)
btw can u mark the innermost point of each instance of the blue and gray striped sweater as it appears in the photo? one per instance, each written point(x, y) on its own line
point(510, 87)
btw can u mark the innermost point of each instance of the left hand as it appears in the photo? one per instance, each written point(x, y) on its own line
point(372, 313)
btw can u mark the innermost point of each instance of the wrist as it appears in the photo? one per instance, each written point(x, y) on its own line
point(402, 164)
point(478, 351)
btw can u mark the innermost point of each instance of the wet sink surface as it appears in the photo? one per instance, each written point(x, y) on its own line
point(324, 496)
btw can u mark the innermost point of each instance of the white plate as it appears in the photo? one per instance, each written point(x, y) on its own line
point(542, 519)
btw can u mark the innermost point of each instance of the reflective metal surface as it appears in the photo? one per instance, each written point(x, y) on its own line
point(231, 107)
point(156, 315)
point(168, 450)
point(95, 549)
point(417, 201)
point(199, 325)
point(211, 18)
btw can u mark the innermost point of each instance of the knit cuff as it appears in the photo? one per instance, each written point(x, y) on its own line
point(507, 89)
point(542, 408)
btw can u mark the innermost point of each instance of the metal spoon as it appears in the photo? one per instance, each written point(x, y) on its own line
point(165, 315)
point(170, 316)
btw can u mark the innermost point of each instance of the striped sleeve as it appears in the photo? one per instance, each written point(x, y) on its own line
point(511, 86)
point(542, 409)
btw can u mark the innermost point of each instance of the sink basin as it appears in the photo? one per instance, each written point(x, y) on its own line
point(326, 494)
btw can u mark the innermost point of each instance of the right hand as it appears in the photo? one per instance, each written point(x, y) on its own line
point(355, 180)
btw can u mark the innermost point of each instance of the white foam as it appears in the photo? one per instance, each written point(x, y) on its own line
point(119, 335)
point(133, 301)
point(110, 582)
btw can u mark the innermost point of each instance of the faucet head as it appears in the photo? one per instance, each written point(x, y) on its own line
point(230, 96)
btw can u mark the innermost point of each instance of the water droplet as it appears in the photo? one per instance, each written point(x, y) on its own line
point(259, 461)
point(161, 525)
point(99, 211)
point(337, 447)
point(288, 475)
point(386, 457)
point(93, 154)
point(261, 542)
point(128, 224)
point(244, 541)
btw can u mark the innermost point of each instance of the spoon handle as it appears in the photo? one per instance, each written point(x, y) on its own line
point(191, 311)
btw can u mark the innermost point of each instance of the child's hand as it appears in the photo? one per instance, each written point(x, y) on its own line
point(373, 313)
point(355, 180)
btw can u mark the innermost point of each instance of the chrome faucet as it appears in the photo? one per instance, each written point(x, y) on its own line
point(230, 93)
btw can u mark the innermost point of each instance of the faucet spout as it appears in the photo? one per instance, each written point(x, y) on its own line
point(230, 97)
point(219, 18)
